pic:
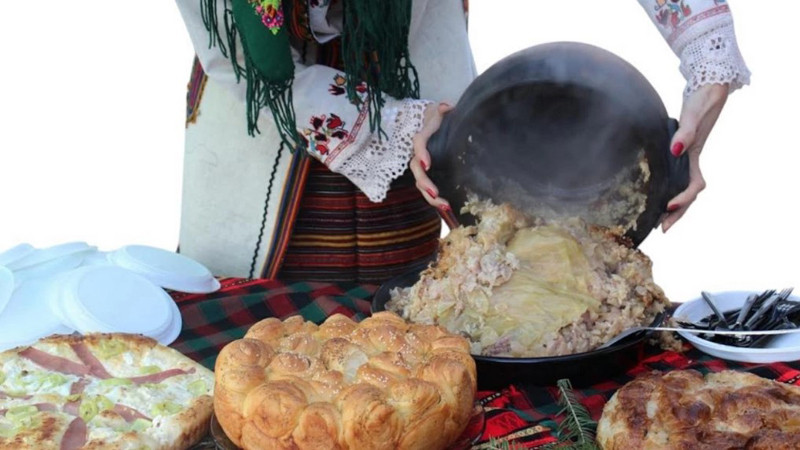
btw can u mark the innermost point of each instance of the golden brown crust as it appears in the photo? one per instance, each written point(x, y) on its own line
point(684, 410)
point(381, 383)
point(183, 429)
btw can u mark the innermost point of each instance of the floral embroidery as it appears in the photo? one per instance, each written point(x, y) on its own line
point(271, 13)
point(672, 12)
point(339, 82)
point(323, 130)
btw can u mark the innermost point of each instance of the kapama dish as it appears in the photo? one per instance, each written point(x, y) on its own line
point(522, 287)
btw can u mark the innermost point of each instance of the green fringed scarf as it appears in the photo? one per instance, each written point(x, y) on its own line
point(374, 51)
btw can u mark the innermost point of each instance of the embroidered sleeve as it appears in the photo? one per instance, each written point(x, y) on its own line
point(701, 33)
point(337, 133)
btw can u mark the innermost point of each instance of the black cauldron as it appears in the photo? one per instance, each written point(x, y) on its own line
point(557, 123)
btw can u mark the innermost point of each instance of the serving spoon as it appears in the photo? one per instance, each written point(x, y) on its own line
point(634, 330)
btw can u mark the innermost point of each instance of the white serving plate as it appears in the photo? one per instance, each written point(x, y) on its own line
point(6, 287)
point(28, 316)
point(167, 269)
point(781, 348)
point(111, 299)
point(15, 253)
point(40, 256)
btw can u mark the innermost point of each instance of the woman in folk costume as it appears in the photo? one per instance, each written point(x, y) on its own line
point(277, 81)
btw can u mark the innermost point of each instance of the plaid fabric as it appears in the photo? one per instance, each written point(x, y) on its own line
point(525, 415)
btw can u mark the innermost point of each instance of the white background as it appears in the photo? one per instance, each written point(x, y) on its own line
point(92, 114)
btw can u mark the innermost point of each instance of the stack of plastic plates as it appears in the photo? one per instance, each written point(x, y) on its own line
point(111, 299)
point(15, 253)
point(28, 316)
point(73, 287)
point(50, 261)
point(166, 269)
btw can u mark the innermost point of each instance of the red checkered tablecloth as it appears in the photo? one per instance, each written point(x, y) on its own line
point(524, 414)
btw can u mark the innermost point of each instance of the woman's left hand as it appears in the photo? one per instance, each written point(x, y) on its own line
point(700, 111)
point(421, 162)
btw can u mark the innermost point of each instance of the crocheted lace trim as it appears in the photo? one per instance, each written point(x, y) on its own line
point(373, 166)
point(713, 57)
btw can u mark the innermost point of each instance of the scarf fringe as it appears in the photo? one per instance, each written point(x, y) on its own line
point(375, 51)
point(208, 12)
point(278, 97)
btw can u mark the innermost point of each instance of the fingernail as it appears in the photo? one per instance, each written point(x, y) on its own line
point(677, 149)
point(424, 166)
point(431, 193)
point(673, 207)
point(445, 208)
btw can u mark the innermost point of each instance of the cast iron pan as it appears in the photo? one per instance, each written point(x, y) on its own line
point(556, 123)
point(582, 369)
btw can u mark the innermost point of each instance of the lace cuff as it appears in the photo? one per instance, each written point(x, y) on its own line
point(712, 57)
point(373, 165)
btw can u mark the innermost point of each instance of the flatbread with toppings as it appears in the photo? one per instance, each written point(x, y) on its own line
point(116, 391)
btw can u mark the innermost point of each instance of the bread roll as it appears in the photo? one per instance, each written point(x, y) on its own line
point(378, 384)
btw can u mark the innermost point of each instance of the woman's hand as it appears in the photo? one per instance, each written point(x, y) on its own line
point(421, 162)
point(698, 116)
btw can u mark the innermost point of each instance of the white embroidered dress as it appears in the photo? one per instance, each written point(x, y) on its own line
point(226, 170)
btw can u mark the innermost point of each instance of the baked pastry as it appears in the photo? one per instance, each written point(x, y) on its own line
point(684, 410)
point(378, 384)
point(119, 391)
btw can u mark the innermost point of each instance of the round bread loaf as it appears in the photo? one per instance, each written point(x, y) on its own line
point(378, 384)
point(685, 410)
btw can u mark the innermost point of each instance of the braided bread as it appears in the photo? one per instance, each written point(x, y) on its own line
point(378, 384)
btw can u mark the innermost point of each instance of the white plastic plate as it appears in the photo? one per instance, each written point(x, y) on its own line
point(6, 287)
point(17, 252)
point(51, 267)
point(112, 299)
point(28, 316)
point(167, 269)
point(784, 347)
point(174, 329)
point(39, 256)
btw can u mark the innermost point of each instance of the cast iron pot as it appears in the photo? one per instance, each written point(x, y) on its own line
point(556, 123)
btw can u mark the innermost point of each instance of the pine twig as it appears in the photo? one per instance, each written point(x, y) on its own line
point(576, 430)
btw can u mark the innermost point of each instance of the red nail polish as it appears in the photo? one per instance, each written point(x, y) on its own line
point(677, 149)
point(673, 207)
point(424, 166)
point(431, 193)
point(445, 208)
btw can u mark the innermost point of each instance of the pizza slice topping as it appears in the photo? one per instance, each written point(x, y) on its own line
point(96, 368)
point(75, 436)
point(54, 363)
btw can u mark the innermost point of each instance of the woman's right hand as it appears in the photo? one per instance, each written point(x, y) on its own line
point(421, 162)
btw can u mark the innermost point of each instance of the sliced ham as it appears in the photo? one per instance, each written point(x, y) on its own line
point(46, 407)
point(128, 413)
point(77, 387)
point(75, 436)
point(72, 408)
point(96, 368)
point(160, 376)
point(54, 363)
